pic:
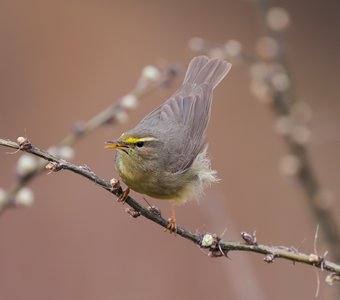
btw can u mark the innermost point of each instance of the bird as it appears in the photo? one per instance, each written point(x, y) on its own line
point(165, 155)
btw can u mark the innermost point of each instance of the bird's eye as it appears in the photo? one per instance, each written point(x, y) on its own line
point(140, 144)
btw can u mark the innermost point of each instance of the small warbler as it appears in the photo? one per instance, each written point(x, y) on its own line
point(165, 155)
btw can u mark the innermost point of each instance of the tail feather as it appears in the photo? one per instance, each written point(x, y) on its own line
point(195, 66)
point(206, 70)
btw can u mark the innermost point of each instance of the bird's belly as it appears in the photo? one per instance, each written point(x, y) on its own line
point(171, 186)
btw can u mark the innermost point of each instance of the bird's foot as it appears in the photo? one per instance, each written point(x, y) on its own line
point(171, 227)
point(122, 198)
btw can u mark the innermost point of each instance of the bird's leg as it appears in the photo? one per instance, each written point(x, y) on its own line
point(172, 220)
point(122, 198)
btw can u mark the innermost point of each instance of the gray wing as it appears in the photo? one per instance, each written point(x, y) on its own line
point(188, 110)
point(191, 113)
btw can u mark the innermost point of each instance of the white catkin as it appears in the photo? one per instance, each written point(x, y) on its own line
point(24, 197)
point(151, 73)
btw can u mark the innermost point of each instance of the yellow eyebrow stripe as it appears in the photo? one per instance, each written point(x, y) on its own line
point(132, 140)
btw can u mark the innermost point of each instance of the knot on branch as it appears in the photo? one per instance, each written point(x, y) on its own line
point(317, 260)
point(132, 212)
point(249, 238)
point(332, 278)
point(54, 166)
point(24, 143)
point(212, 242)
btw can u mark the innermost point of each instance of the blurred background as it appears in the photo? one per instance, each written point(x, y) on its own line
point(64, 61)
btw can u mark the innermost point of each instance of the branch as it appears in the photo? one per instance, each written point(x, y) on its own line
point(215, 246)
point(272, 83)
point(149, 81)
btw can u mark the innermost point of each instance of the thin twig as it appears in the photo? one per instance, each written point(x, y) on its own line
point(143, 87)
point(215, 246)
point(282, 104)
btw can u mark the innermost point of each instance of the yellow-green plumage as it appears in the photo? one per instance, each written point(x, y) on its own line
point(165, 155)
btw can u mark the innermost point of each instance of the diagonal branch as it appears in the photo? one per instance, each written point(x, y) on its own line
point(215, 246)
point(145, 85)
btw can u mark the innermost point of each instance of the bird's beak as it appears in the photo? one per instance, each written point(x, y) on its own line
point(115, 144)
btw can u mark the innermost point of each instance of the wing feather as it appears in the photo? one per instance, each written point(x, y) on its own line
point(192, 114)
point(182, 120)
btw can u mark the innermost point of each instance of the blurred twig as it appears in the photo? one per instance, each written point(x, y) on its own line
point(284, 102)
point(272, 83)
point(150, 80)
point(215, 246)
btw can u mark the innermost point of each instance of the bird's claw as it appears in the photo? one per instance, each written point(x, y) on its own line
point(122, 198)
point(171, 227)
